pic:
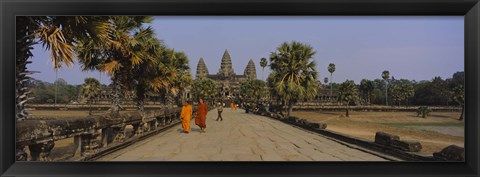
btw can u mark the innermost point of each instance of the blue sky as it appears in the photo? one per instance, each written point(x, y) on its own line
point(415, 48)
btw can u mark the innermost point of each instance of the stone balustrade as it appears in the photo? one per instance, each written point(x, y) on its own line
point(89, 133)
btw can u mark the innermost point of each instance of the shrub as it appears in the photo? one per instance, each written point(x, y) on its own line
point(424, 111)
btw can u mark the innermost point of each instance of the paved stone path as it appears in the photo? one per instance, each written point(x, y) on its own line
point(240, 137)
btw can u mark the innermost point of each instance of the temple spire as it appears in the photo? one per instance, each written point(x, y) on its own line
point(250, 71)
point(226, 69)
point(202, 70)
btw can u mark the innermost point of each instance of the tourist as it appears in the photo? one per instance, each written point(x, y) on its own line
point(220, 110)
point(200, 118)
point(186, 115)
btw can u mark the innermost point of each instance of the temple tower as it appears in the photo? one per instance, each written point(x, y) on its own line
point(226, 69)
point(250, 71)
point(202, 70)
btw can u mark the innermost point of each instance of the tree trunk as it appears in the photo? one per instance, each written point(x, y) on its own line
point(461, 115)
point(24, 43)
point(290, 108)
point(140, 97)
point(90, 106)
point(116, 91)
point(386, 93)
point(346, 108)
point(331, 86)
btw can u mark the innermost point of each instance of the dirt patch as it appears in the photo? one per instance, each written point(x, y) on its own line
point(435, 132)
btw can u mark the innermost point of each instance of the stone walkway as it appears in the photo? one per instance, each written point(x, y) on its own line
point(240, 137)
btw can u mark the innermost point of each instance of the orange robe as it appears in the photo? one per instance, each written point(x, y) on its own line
point(186, 116)
point(200, 118)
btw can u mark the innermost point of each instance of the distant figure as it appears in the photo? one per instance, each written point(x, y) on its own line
point(231, 106)
point(186, 116)
point(201, 117)
point(247, 107)
point(220, 110)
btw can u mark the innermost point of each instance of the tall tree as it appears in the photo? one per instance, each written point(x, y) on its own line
point(90, 90)
point(145, 73)
point(386, 76)
point(347, 94)
point(178, 62)
point(122, 54)
point(331, 69)
point(367, 87)
point(407, 91)
point(263, 64)
point(294, 73)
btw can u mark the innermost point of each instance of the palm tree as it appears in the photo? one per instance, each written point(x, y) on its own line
point(179, 73)
point(150, 48)
point(57, 34)
point(119, 58)
point(263, 64)
point(331, 69)
point(386, 76)
point(294, 73)
point(90, 90)
point(347, 93)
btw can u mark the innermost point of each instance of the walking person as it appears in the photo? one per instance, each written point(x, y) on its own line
point(220, 110)
point(201, 117)
point(186, 116)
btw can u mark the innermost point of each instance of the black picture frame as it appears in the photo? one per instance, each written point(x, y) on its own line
point(470, 9)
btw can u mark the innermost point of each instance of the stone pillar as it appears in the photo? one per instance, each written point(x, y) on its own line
point(41, 151)
point(107, 136)
point(119, 133)
point(89, 143)
point(137, 129)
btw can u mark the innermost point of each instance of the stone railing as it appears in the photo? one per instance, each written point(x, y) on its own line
point(90, 134)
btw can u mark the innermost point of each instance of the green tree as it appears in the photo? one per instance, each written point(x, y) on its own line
point(347, 94)
point(121, 55)
point(253, 90)
point(386, 76)
point(294, 73)
point(367, 87)
point(204, 88)
point(90, 90)
point(407, 91)
point(263, 64)
point(325, 80)
point(331, 69)
point(179, 62)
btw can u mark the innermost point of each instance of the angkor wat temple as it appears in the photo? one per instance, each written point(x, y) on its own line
point(228, 83)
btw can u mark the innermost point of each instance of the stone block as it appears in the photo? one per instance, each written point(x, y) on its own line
point(385, 138)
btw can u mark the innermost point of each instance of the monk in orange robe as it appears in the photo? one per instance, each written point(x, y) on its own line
point(201, 117)
point(186, 116)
